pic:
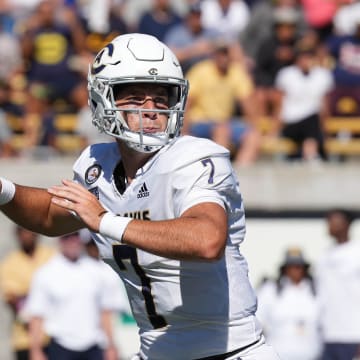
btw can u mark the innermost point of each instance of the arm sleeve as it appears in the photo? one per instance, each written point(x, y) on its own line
point(38, 301)
point(206, 180)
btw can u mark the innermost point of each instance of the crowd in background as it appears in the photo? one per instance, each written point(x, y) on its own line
point(292, 61)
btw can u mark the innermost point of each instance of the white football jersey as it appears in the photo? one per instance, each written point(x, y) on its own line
point(184, 309)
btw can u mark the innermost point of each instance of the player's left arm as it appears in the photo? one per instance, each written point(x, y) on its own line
point(199, 233)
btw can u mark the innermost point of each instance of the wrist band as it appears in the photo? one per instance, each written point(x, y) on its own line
point(113, 226)
point(7, 192)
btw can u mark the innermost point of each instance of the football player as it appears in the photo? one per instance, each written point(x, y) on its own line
point(165, 210)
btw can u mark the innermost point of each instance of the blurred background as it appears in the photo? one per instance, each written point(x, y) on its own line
point(277, 82)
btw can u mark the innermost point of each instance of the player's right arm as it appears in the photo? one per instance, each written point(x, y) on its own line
point(32, 208)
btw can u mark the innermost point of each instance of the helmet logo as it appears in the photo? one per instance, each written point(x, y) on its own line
point(153, 71)
point(99, 64)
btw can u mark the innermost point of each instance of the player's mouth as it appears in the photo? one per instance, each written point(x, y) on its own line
point(150, 130)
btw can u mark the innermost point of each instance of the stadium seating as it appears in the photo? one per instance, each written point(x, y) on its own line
point(67, 141)
point(341, 138)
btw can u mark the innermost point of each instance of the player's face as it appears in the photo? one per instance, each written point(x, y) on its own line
point(147, 98)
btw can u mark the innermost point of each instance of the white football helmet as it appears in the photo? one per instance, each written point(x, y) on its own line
point(132, 59)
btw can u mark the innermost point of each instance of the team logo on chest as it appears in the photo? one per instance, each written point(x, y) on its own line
point(92, 174)
point(143, 192)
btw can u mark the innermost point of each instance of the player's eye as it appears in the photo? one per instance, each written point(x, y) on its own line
point(137, 100)
point(131, 100)
point(161, 102)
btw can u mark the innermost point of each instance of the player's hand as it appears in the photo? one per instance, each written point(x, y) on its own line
point(75, 198)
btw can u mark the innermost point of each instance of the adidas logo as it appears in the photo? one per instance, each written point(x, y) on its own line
point(143, 192)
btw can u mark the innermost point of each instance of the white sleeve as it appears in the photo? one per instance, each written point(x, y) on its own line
point(206, 180)
point(38, 301)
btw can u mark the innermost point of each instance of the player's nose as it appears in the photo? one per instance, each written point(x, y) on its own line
point(149, 106)
point(149, 103)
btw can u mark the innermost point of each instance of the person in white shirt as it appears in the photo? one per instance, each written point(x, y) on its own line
point(72, 301)
point(346, 18)
point(302, 106)
point(230, 17)
point(288, 310)
point(337, 275)
point(165, 210)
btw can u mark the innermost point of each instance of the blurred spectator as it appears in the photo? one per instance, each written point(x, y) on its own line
point(346, 18)
point(158, 20)
point(190, 41)
point(95, 14)
point(115, 284)
point(16, 272)
point(51, 44)
point(338, 283)
point(88, 133)
point(10, 55)
point(11, 111)
point(6, 148)
point(13, 12)
point(302, 109)
point(10, 65)
point(217, 86)
point(344, 51)
point(70, 301)
point(275, 52)
point(319, 15)
point(252, 3)
point(265, 13)
point(230, 17)
point(288, 310)
point(90, 245)
point(102, 20)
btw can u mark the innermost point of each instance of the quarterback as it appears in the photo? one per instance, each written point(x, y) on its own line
point(165, 210)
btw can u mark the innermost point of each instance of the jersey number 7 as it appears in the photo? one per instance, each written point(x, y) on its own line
point(122, 252)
